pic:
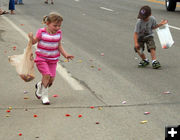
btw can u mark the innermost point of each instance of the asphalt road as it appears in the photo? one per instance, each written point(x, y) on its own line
point(92, 27)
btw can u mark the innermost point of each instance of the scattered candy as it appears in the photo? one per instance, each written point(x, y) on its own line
point(167, 92)
point(100, 108)
point(91, 107)
point(26, 98)
point(79, 61)
point(7, 115)
point(166, 46)
point(10, 108)
point(20, 134)
point(14, 48)
point(68, 115)
point(91, 59)
point(8, 111)
point(55, 95)
point(102, 54)
point(143, 122)
point(25, 92)
point(35, 116)
point(99, 69)
point(66, 60)
point(146, 113)
point(22, 24)
point(124, 102)
point(97, 122)
point(79, 115)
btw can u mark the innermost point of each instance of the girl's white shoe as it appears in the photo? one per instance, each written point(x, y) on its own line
point(38, 90)
point(44, 97)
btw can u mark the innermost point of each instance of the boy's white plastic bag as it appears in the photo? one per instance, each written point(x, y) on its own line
point(165, 37)
point(24, 63)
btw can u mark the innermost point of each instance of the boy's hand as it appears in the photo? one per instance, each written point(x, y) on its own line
point(137, 47)
point(164, 21)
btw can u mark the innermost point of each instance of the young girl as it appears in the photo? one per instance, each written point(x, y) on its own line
point(48, 51)
point(46, 2)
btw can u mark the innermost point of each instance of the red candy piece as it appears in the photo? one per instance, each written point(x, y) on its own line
point(35, 116)
point(92, 107)
point(14, 48)
point(67, 115)
point(8, 111)
point(164, 47)
point(146, 113)
point(167, 92)
point(102, 54)
point(79, 115)
point(55, 95)
point(20, 134)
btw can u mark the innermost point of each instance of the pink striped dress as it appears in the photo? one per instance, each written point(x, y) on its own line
point(47, 47)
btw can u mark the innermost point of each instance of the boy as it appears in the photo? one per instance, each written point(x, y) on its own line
point(143, 34)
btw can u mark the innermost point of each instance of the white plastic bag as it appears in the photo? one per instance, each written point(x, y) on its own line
point(165, 37)
point(24, 63)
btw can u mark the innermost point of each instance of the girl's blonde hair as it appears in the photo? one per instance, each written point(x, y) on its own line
point(52, 17)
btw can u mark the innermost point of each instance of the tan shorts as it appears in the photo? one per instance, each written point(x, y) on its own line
point(149, 41)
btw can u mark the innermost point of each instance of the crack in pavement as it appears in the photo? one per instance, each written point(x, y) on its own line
point(103, 106)
point(1, 32)
point(91, 91)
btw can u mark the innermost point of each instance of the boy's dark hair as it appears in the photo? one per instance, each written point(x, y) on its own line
point(144, 12)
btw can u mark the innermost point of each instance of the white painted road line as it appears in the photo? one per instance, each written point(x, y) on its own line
point(74, 84)
point(16, 27)
point(177, 28)
point(104, 8)
point(62, 71)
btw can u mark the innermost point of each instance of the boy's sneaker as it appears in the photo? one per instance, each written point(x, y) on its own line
point(143, 63)
point(156, 64)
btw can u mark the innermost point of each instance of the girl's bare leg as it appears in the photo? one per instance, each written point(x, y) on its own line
point(45, 80)
point(51, 81)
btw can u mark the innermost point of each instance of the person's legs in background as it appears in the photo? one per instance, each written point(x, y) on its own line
point(12, 6)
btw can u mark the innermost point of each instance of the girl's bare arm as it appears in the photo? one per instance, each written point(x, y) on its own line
point(64, 53)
